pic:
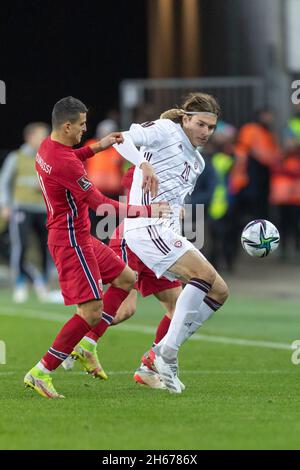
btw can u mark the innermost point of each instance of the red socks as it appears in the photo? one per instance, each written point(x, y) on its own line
point(112, 300)
point(162, 329)
point(64, 343)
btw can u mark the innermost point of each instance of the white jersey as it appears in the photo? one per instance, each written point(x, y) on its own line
point(176, 163)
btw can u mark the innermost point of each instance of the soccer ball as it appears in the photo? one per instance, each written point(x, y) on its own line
point(259, 238)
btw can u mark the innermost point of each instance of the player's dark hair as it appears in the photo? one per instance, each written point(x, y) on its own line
point(67, 109)
point(199, 102)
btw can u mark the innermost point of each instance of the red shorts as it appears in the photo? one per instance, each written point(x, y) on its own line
point(83, 269)
point(147, 283)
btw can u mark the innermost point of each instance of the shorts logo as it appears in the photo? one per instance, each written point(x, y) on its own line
point(100, 285)
point(178, 243)
point(84, 183)
point(196, 165)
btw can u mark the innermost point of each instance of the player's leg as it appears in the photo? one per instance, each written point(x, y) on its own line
point(39, 378)
point(18, 231)
point(79, 279)
point(112, 300)
point(121, 278)
point(168, 299)
point(193, 308)
point(127, 308)
point(145, 374)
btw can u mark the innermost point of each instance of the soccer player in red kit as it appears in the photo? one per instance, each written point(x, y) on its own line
point(82, 261)
point(147, 283)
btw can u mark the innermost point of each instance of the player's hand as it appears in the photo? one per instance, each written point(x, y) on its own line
point(150, 180)
point(161, 209)
point(110, 139)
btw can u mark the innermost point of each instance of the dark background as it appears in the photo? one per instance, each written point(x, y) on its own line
point(49, 50)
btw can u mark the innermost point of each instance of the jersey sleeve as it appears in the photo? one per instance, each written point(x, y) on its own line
point(84, 153)
point(149, 134)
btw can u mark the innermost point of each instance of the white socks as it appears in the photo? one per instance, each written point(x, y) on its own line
point(43, 368)
point(193, 307)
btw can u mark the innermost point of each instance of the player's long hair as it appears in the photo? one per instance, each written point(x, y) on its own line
point(199, 102)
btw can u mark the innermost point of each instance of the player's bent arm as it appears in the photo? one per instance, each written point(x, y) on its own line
point(107, 141)
point(89, 151)
point(95, 198)
point(128, 150)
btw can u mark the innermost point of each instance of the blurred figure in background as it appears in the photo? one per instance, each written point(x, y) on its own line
point(212, 190)
point(285, 190)
point(257, 152)
point(22, 204)
point(222, 224)
point(105, 169)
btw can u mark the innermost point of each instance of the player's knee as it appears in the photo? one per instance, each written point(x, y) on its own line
point(206, 273)
point(91, 312)
point(128, 280)
point(125, 280)
point(222, 291)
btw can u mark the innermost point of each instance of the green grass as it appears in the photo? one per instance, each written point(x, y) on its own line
point(236, 397)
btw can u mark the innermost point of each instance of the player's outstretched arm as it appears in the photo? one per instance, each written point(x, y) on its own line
point(96, 199)
point(108, 141)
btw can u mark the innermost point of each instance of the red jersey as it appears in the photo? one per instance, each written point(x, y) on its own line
point(68, 193)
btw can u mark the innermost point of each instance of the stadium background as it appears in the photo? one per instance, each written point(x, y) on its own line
point(242, 390)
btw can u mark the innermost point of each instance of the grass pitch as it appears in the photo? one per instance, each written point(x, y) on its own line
point(242, 391)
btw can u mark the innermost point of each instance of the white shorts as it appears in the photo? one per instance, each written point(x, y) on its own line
point(158, 247)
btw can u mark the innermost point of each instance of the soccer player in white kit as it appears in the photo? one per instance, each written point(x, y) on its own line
point(171, 147)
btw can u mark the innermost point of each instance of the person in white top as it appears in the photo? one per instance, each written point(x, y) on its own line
point(171, 144)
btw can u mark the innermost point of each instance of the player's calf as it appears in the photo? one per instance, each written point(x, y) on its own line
point(127, 308)
point(219, 290)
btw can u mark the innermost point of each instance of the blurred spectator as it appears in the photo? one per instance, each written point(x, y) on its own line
point(285, 189)
point(206, 182)
point(222, 224)
point(212, 190)
point(257, 152)
point(105, 169)
point(292, 131)
point(22, 204)
point(4, 235)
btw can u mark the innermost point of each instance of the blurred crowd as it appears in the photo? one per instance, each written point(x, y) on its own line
point(251, 173)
